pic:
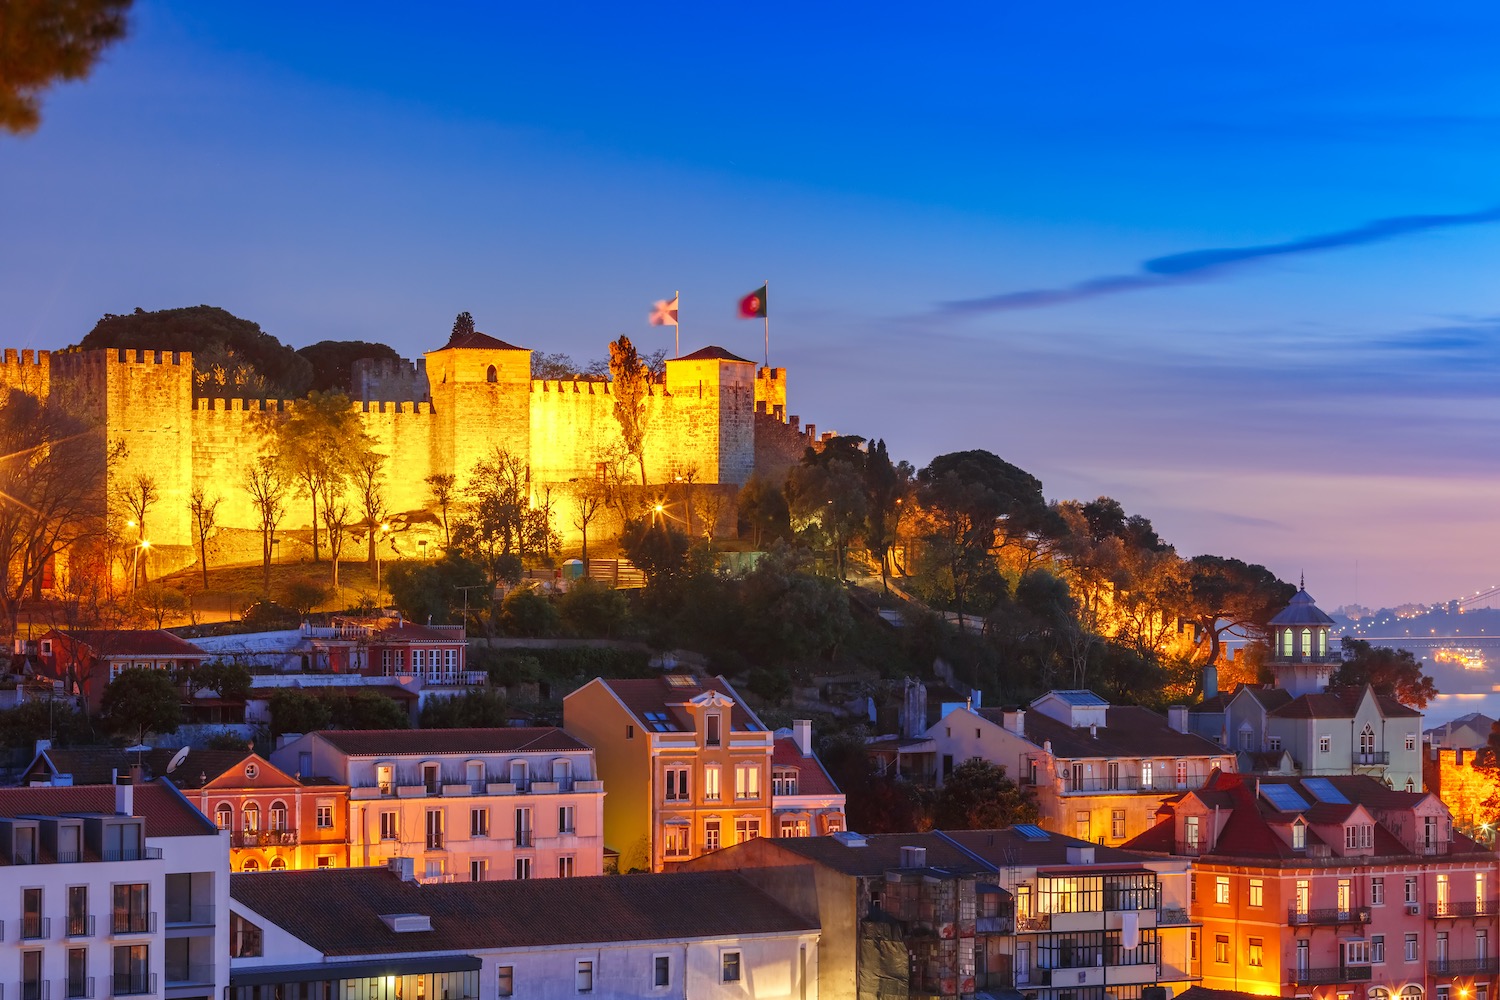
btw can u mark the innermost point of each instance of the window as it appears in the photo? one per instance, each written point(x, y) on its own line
point(1304, 896)
point(224, 816)
point(132, 969)
point(385, 779)
point(325, 816)
point(1255, 953)
point(1325, 744)
point(1145, 774)
point(132, 910)
point(567, 819)
point(1257, 892)
point(1192, 888)
point(78, 911)
point(78, 968)
point(434, 829)
point(1367, 739)
point(1377, 948)
point(745, 829)
point(661, 974)
point(565, 866)
point(711, 783)
point(277, 816)
point(1411, 889)
point(784, 782)
point(1190, 832)
point(1356, 952)
point(523, 827)
point(32, 925)
point(251, 771)
point(1358, 835)
point(1479, 894)
point(1345, 895)
point(1442, 896)
point(711, 730)
point(1410, 953)
point(490, 375)
point(1411, 741)
point(1273, 743)
point(793, 827)
point(325, 861)
point(479, 822)
point(1299, 835)
point(1117, 824)
point(630, 732)
point(518, 774)
point(1482, 943)
point(1221, 889)
point(1377, 891)
point(711, 835)
point(1193, 946)
point(479, 869)
point(675, 840)
point(390, 829)
point(1182, 774)
point(523, 868)
point(1081, 824)
point(677, 784)
point(747, 781)
point(729, 967)
point(250, 865)
point(1221, 948)
point(250, 817)
point(585, 975)
point(505, 980)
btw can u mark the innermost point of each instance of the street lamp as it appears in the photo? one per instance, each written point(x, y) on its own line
point(135, 563)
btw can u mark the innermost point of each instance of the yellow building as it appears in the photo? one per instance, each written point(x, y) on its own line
point(687, 765)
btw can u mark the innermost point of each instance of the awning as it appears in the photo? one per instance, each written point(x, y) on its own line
point(270, 975)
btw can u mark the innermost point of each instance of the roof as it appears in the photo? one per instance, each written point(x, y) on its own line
point(666, 694)
point(713, 354)
point(1078, 699)
point(403, 742)
point(881, 853)
point(131, 642)
point(1204, 993)
point(1008, 847)
point(1302, 611)
point(511, 913)
point(1340, 703)
point(99, 765)
point(812, 778)
point(477, 341)
point(1269, 698)
point(166, 812)
point(1128, 730)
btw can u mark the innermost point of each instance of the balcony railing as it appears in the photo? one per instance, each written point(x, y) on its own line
point(138, 985)
point(1464, 967)
point(1131, 783)
point(1034, 922)
point(264, 838)
point(1472, 908)
point(79, 989)
point(190, 915)
point(35, 928)
point(79, 925)
point(1328, 976)
point(1369, 758)
point(1172, 918)
point(1328, 918)
point(525, 838)
point(434, 843)
point(133, 854)
point(133, 923)
point(34, 989)
point(189, 974)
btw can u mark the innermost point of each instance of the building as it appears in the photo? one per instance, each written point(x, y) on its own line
point(1332, 887)
point(1098, 770)
point(1468, 782)
point(705, 935)
point(687, 763)
point(111, 891)
point(956, 914)
point(1468, 732)
point(805, 802)
point(465, 804)
point(86, 660)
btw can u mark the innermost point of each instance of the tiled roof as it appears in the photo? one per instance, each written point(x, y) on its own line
point(479, 341)
point(132, 642)
point(509, 914)
point(394, 630)
point(404, 742)
point(812, 779)
point(99, 765)
point(999, 847)
point(1340, 703)
point(657, 694)
point(1302, 611)
point(1129, 731)
point(1204, 993)
point(713, 354)
point(166, 812)
point(881, 853)
point(1269, 698)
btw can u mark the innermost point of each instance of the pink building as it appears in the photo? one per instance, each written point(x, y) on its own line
point(1332, 888)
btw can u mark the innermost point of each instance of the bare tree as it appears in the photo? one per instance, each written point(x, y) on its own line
point(335, 519)
point(588, 502)
point(632, 395)
point(369, 494)
point(205, 513)
point(315, 443)
point(442, 487)
point(267, 489)
point(136, 497)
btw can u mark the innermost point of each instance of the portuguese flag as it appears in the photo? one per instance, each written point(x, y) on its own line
point(753, 306)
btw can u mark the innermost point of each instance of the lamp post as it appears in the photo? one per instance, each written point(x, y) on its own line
point(135, 564)
point(384, 528)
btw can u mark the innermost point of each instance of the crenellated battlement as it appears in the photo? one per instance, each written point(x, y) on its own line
point(406, 406)
point(384, 379)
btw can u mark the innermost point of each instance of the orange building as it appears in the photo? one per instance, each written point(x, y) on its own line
point(687, 764)
point(275, 820)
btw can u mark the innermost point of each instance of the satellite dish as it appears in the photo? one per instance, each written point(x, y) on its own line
point(177, 759)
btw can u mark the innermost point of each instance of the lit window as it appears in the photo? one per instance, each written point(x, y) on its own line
point(1255, 953)
point(1221, 949)
point(747, 781)
point(1257, 892)
point(505, 980)
point(1221, 889)
point(711, 783)
point(1117, 824)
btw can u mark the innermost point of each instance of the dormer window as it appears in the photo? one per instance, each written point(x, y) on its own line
point(518, 774)
point(385, 779)
point(1299, 835)
point(431, 778)
point(1190, 833)
point(1358, 835)
point(711, 735)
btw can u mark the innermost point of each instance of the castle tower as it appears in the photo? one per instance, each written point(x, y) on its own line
point(481, 398)
point(714, 392)
point(1300, 657)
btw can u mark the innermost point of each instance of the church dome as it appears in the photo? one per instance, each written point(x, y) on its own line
point(1302, 611)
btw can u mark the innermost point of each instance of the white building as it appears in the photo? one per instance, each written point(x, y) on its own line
point(111, 892)
point(705, 935)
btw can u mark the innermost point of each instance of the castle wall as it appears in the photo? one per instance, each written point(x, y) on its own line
point(770, 392)
point(384, 379)
point(712, 426)
point(29, 372)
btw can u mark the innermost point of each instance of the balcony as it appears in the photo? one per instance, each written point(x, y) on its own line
point(79, 989)
point(133, 923)
point(189, 974)
point(1172, 918)
point(1329, 976)
point(136, 985)
point(1371, 758)
point(79, 925)
point(133, 854)
point(190, 915)
point(525, 838)
point(34, 989)
point(1464, 967)
point(1328, 918)
point(1473, 908)
point(35, 928)
point(264, 838)
point(1033, 922)
point(1127, 784)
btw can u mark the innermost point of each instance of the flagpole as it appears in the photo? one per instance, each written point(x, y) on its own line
point(766, 308)
point(677, 325)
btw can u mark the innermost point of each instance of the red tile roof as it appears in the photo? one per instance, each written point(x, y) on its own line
point(1340, 703)
point(713, 354)
point(406, 742)
point(656, 694)
point(132, 642)
point(166, 812)
point(1129, 731)
point(812, 779)
point(508, 914)
point(479, 341)
point(394, 630)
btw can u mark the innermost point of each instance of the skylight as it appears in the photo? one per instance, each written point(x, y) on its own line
point(1283, 797)
point(680, 680)
point(660, 722)
point(1031, 832)
point(1322, 789)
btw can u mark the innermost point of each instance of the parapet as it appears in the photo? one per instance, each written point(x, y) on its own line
point(383, 379)
point(581, 386)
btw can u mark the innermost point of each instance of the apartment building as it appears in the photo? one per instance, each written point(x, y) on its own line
point(1333, 887)
point(805, 802)
point(687, 763)
point(111, 891)
point(705, 935)
point(1099, 771)
point(464, 804)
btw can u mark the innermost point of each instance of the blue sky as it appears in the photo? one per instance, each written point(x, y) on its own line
point(367, 171)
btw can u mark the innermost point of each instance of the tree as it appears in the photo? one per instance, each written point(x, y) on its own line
point(267, 489)
point(555, 367)
point(205, 514)
point(1228, 597)
point(304, 595)
point(887, 485)
point(657, 549)
point(790, 613)
point(335, 521)
point(317, 444)
point(367, 708)
point(524, 612)
point(333, 362)
point(1394, 673)
point(979, 796)
point(500, 527)
point(434, 590)
point(140, 701)
point(230, 681)
point(593, 609)
point(632, 396)
point(588, 502)
point(442, 488)
point(296, 711)
point(479, 708)
point(827, 499)
point(136, 496)
point(763, 511)
point(463, 325)
point(159, 602)
point(44, 42)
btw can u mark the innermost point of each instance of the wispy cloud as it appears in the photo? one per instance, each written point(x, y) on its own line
point(1212, 264)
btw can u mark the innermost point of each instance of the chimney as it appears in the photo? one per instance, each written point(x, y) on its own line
point(1177, 718)
point(1210, 681)
point(404, 868)
point(802, 736)
point(1083, 855)
point(976, 698)
point(1093, 731)
point(1014, 720)
point(124, 796)
point(913, 857)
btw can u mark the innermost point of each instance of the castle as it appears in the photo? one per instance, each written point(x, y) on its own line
point(440, 415)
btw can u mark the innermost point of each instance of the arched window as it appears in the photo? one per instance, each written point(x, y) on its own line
point(491, 376)
point(1379, 993)
point(1412, 992)
point(224, 816)
point(250, 865)
point(1367, 740)
point(278, 864)
point(278, 816)
point(562, 773)
point(1306, 642)
point(1286, 644)
point(250, 818)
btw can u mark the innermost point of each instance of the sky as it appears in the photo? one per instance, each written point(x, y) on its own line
point(1235, 268)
